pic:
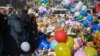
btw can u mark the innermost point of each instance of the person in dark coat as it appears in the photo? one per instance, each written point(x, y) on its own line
point(1, 32)
point(16, 35)
point(24, 19)
point(33, 32)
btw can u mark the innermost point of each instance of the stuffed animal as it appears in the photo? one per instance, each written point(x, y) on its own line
point(90, 44)
point(96, 38)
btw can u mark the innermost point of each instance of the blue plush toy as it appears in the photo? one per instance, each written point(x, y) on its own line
point(95, 27)
point(44, 44)
point(90, 18)
point(84, 12)
point(44, 1)
point(85, 23)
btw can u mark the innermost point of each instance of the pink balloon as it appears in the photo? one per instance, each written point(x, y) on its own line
point(80, 53)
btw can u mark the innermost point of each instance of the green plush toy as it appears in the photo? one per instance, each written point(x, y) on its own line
point(46, 2)
point(80, 17)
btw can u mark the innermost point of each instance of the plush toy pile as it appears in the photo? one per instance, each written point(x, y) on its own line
point(76, 34)
point(69, 37)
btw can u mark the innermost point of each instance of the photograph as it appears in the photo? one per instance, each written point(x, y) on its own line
point(49, 27)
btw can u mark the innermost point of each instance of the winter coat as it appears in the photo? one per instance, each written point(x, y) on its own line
point(2, 26)
point(15, 28)
point(24, 19)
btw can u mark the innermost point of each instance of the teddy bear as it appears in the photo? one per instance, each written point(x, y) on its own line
point(96, 38)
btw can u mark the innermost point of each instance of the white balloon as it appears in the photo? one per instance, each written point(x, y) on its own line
point(76, 14)
point(25, 46)
point(66, 2)
point(79, 6)
point(84, 7)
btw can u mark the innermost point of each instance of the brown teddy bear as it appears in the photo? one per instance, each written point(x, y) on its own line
point(96, 38)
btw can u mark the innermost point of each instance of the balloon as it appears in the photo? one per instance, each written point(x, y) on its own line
point(85, 23)
point(78, 6)
point(84, 7)
point(70, 42)
point(60, 36)
point(90, 51)
point(44, 44)
point(62, 50)
point(66, 2)
point(80, 53)
point(80, 17)
point(84, 12)
point(53, 44)
point(76, 14)
point(25, 46)
point(90, 18)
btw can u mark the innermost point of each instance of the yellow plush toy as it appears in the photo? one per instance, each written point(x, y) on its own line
point(96, 37)
point(40, 24)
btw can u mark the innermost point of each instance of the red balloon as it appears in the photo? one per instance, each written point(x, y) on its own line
point(60, 36)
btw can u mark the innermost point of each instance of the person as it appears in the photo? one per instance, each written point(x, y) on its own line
point(32, 28)
point(2, 31)
point(16, 34)
point(24, 19)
